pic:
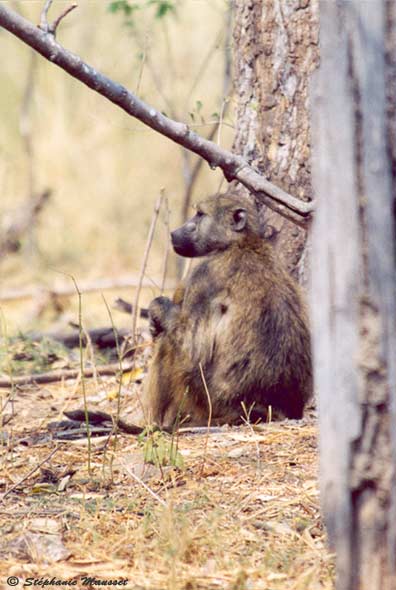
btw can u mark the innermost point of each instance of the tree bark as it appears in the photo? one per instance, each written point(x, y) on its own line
point(353, 288)
point(276, 51)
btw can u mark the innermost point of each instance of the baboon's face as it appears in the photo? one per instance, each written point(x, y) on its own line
point(218, 223)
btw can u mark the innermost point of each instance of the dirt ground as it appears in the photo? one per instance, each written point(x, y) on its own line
point(237, 508)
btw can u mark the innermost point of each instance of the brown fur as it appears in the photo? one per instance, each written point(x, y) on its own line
point(239, 316)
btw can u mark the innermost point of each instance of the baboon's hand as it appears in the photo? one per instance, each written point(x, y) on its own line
point(160, 314)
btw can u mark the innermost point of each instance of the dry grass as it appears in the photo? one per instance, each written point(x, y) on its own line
point(242, 514)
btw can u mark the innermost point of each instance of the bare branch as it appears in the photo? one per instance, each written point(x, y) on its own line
point(100, 337)
point(123, 306)
point(56, 22)
point(64, 289)
point(146, 487)
point(233, 166)
point(25, 123)
point(144, 262)
point(204, 455)
point(193, 177)
point(167, 247)
point(194, 173)
point(44, 24)
point(35, 468)
point(63, 374)
point(126, 307)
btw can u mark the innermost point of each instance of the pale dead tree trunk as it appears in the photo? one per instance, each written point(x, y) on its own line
point(276, 50)
point(353, 287)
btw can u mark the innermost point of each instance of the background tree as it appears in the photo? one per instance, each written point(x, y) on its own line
point(276, 51)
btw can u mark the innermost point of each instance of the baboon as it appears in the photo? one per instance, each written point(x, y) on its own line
point(236, 329)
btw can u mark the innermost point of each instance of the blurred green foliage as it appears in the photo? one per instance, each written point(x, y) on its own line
point(127, 8)
point(22, 354)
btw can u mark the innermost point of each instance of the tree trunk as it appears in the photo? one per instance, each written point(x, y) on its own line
point(276, 50)
point(353, 287)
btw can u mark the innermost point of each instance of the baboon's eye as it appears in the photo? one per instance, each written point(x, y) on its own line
point(239, 218)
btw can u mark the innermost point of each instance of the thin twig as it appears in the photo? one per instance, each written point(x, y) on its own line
point(118, 413)
point(193, 177)
point(56, 22)
point(246, 420)
point(25, 123)
point(221, 118)
point(142, 64)
point(209, 416)
point(203, 67)
point(157, 79)
point(12, 488)
point(64, 290)
point(227, 83)
point(167, 248)
point(44, 25)
point(122, 305)
point(101, 337)
point(84, 392)
point(10, 398)
point(144, 262)
point(188, 174)
point(119, 358)
point(170, 57)
point(87, 341)
point(146, 487)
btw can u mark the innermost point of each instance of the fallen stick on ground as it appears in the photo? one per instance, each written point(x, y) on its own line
point(101, 337)
point(65, 290)
point(35, 468)
point(53, 376)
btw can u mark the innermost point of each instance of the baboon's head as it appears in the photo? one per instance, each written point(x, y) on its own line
point(219, 222)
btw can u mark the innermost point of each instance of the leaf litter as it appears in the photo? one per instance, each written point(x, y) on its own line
point(238, 511)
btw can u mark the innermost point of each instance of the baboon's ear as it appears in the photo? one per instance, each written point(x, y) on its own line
point(239, 218)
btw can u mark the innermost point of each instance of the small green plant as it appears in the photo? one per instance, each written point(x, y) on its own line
point(158, 450)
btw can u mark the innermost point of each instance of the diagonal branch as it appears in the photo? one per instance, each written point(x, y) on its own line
point(233, 166)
